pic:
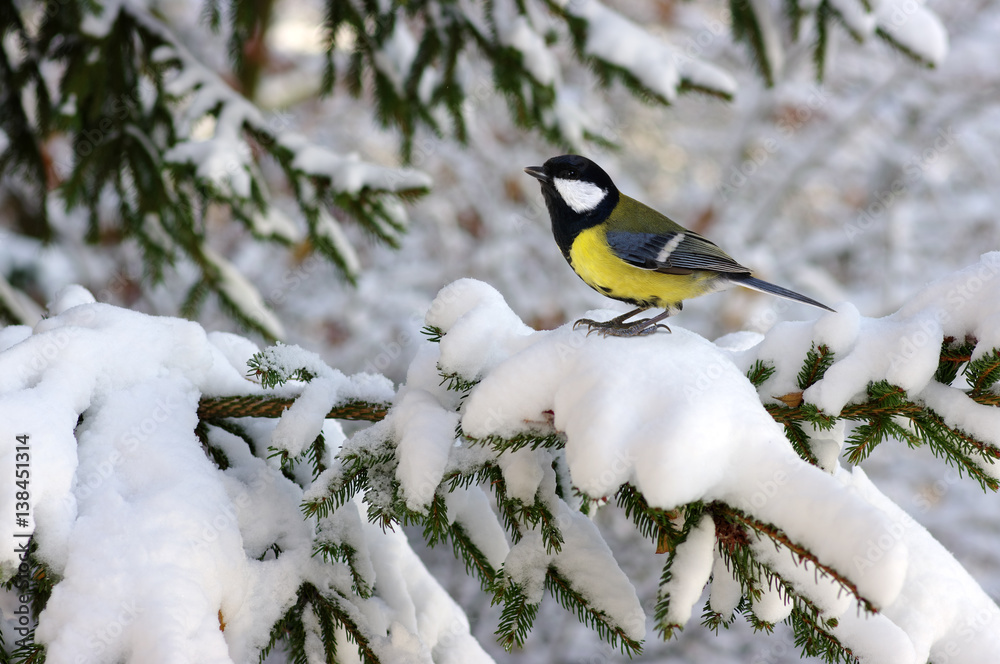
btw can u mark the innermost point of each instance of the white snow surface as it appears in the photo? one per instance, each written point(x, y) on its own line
point(941, 615)
point(153, 547)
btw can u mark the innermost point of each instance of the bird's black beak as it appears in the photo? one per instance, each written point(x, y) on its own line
point(538, 173)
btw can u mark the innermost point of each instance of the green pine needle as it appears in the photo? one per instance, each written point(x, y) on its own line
point(760, 372)
point(818, 360)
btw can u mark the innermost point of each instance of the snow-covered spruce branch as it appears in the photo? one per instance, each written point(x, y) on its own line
point(290, 537)
point(170, 138)
point(515, 384)
point(908, 27)
point(885, 403)
point(417, 61)
point(212, 558)
point(772, 591)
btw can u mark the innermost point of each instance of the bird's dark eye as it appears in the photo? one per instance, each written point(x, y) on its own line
point(569, 174)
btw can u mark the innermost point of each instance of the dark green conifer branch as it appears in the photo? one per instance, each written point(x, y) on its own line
point(879, 416)
point(818, 360)
point(747, 28)
point(291, 631)
point(37, 583)
point(605, 627)
point(517, 616)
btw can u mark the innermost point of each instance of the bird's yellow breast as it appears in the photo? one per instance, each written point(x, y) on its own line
point(602, 270)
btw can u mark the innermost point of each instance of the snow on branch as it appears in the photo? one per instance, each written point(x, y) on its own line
point(271, 527)
point(620, 48)
point(157, 537)
point(170, 139)
point(417, 60)
point(906, 24)
point(675, 418)
point(226, 164)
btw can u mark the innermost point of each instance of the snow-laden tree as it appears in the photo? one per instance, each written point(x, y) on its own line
point(127, 136)
point(189, 497)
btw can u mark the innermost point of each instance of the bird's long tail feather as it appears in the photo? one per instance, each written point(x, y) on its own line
point(766, 287)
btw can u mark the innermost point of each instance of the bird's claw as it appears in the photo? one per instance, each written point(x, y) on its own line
point(616, 328)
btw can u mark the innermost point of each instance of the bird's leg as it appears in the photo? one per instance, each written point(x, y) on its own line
point(617, 322)
point(617, 327)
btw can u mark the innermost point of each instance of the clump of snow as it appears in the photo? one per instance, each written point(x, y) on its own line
point(303, 421)
point(426, 433)
point(98, 19)
point(857, 16)
point(470, 509)
point(692, 565)
point(618, 41)
point(348, 173)
point(916, 28)
point(516, 31)
point(726, 589)
point(583, 552)
point(330, 230)
point(158, 554)
point(648, 58)
point(942, 612)
point(906, 22)
point(69, 297)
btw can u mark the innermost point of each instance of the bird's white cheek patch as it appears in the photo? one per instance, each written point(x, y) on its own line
point(580, 196)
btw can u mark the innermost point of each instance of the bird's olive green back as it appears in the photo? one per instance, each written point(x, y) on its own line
point(634, 217)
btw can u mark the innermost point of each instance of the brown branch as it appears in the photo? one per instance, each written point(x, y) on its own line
point(213, 408)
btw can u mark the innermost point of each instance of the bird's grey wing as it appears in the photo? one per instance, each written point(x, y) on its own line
point(672, 252)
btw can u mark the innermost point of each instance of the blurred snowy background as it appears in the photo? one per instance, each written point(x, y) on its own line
point(861, 189)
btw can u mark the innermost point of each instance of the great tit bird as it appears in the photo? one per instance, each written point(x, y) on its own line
point(630, 252)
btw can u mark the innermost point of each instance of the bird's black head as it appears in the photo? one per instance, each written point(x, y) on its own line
point(578, 193)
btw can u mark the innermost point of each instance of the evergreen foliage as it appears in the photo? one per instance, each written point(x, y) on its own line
point(365, 467)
